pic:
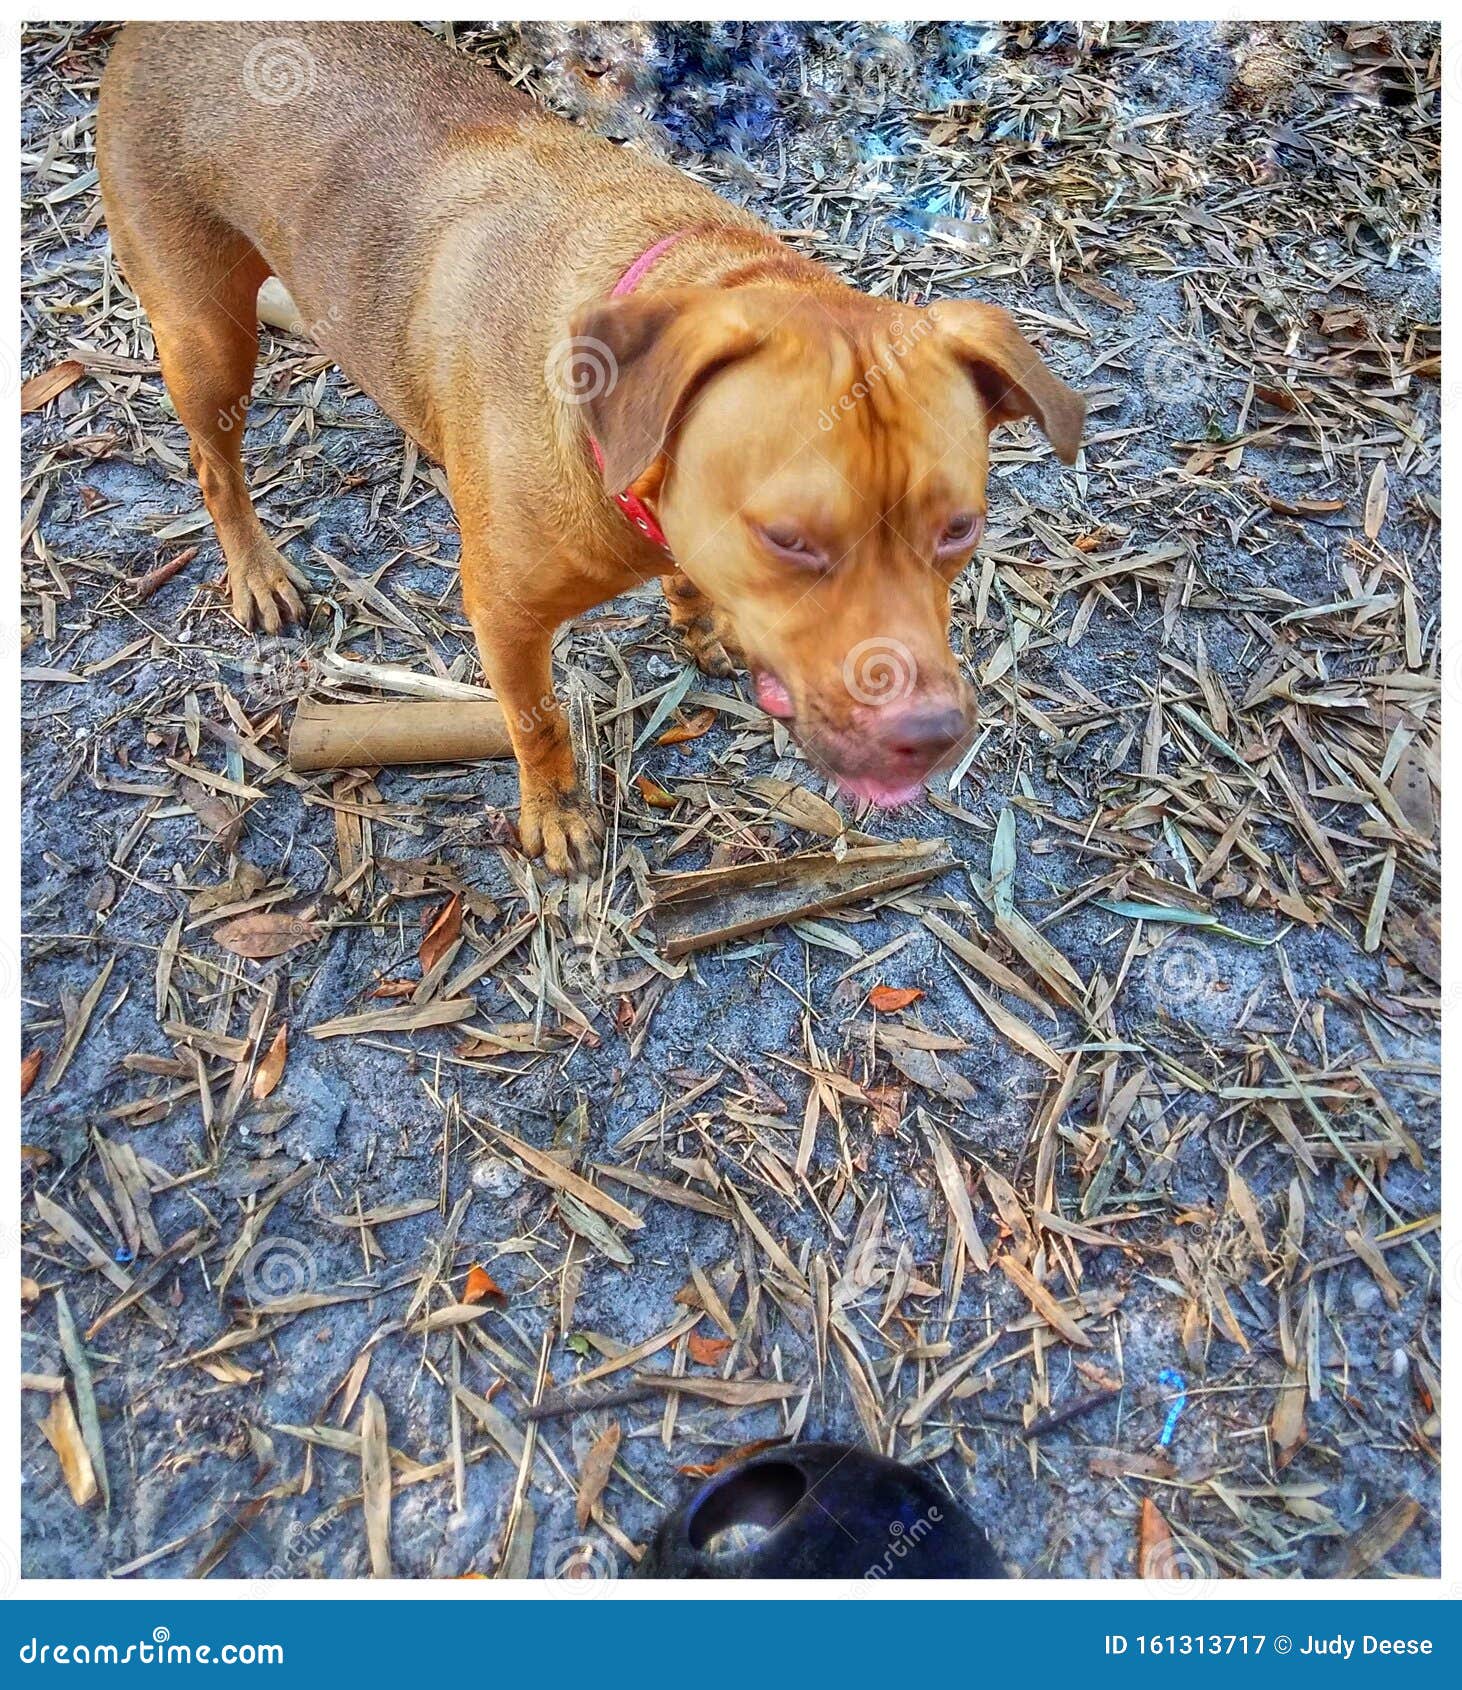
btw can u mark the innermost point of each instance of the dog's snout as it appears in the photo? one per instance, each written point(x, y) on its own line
point(923, 734)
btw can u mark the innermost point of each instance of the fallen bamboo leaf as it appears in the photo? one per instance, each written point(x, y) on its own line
point(712, 906)
point(795, 805)
point(1041, 1300)
point(41, 389)
point(554, 1173)
point(731, 1393)
point(1157, 1553)
point(410, 1018)
point(594, 1473)
point(76, 1027)
point(266, 933)
point(1378, 1537)
point(64, 1436)
point(271, 1066)
point(951, 1178)
point(442, 934)
point(375, 1476)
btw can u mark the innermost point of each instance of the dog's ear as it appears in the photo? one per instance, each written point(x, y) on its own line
point(1008, 371)
point(634, 365)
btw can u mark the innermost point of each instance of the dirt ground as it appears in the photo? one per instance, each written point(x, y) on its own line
point(1097, 1174)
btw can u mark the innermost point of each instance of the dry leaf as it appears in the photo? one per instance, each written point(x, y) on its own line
point(30, 1068)
point(1377, 498)
point(701, 723)
point(594, 1472)
point(708, 1351)
point(444, 932)
point(271, 1068)
point(480, 1284)
point(266, 934)
point(887, 999)
point(1157, 1553)
point(42, 389)
point(64, 1436)
point(654, 794)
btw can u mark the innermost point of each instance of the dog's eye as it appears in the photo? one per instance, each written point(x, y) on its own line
point(789, 541)
point(961, 531)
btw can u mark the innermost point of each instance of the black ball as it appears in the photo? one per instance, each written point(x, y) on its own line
point(819, 1511)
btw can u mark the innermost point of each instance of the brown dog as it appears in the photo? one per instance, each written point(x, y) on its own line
point(528, 302)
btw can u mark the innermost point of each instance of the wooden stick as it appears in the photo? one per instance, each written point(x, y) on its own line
point(387, 732)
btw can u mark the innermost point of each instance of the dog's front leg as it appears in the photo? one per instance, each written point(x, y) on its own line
point(557, 820)
point(705, 630)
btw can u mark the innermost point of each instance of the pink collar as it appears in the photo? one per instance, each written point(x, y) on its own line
point(635, 509)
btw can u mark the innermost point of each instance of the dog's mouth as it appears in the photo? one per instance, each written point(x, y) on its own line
point(883, 792)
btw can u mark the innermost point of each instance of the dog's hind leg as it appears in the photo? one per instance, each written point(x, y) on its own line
point(704, 630)
point(199, 283)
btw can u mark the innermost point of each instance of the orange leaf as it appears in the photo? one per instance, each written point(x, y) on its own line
point(30, 1068)
point(1157, 1553)
point(654, 794)
point(480, 1284)
point(701, 723)
point(708, 1351)
point(270, 1070)
point(42, 389)
point(890, 998)
point(709, 1469)
point(393, 989)
point(444, 932)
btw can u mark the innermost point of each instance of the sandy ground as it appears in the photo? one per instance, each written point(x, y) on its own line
point(1229, 1169)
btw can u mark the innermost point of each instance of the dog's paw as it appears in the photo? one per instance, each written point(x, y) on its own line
point(263, 590)
point(712, 647)
point(561, 828)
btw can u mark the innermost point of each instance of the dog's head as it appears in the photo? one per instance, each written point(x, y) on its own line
point(818, 464)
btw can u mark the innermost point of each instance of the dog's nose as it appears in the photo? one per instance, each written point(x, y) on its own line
point(923, 734)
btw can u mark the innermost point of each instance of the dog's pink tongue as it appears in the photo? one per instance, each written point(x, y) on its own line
point(772, 696)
